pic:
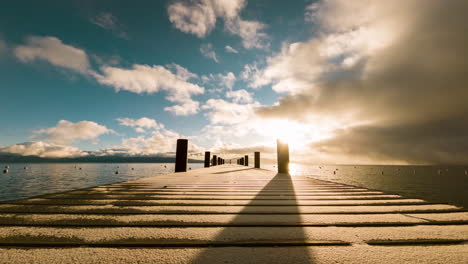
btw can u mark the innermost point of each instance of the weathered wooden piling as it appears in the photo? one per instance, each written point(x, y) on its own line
point(215, 160)
point(257, 160)
point(207, 159)
point(219, 160)
point(283, 156)
point(246, 160)
point(181, 155)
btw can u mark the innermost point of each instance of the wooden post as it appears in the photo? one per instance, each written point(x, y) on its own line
point(215, 160)
point(283, 156)
point(246, 160)
point(257, 160)
point(241, 161)
point(181, 155)
point(207, 159)
point(219, 161)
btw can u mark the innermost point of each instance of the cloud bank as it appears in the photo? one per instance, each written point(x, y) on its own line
point(43, 150)
point(66, 132)
point(395, 80)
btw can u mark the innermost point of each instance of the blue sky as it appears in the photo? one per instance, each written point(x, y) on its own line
point(120, 77)
point(38, 94)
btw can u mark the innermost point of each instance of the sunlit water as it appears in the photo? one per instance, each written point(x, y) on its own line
point(26, 180)
point(444, 184)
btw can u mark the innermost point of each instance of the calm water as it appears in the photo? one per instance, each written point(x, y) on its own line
point(26, 180)
point(444, 184)
point(433, 183)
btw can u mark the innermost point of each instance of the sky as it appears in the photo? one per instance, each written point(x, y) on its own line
point(343, 82)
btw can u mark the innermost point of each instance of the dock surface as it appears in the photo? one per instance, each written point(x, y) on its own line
point(231, 214)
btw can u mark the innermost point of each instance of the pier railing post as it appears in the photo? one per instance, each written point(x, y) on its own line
point(246, 160)
point(215, 160)
point(207, 159)
point(257, 160)
point(181, 155)
point(283, 156)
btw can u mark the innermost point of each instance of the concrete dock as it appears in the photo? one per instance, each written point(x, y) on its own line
point(231, 214)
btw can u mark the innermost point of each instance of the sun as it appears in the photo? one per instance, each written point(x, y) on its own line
point(286, 131)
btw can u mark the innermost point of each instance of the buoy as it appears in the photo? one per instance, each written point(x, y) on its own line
point(25, 167)
point(7, 167)
point(80, 168)
point(189, 168)
point(117, 172)
point(133, 168)
point(165, 166)
point(5, 171)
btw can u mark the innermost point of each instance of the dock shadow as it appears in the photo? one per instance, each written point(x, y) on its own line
point(256, 247)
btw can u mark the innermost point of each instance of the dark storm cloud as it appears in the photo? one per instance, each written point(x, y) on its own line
point(411, 94)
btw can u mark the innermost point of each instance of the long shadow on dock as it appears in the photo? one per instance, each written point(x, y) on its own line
point(257, 250)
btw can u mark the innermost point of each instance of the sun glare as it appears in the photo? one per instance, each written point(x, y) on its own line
point(297, 135)
point(286, 131)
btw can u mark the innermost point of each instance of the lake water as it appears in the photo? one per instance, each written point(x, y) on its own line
point(26, 180)
point(441, 184)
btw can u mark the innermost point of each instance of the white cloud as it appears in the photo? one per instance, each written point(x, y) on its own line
point(253, 76)
point(250, 32)
point(220, 80)
point(147, 79)
point(227, 80)
point(199, 17)
point(54, 51)
point(207, 51)
point(161, 142)
point(240, 96)
point(223, 112)
point(185, 108)
point(109, 22)
point(140, 124)
point(182, 72)
point(43, 149)
point(66, 132)
point(231, 49)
